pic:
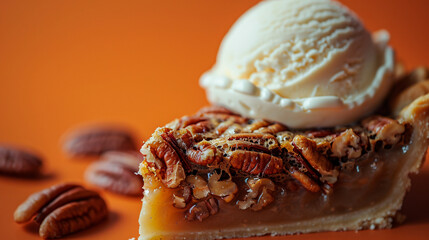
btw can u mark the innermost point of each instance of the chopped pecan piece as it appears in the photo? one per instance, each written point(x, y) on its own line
point(388, 130)
point(62, 209)
point(347, 144)
point(202, 210)
point(183, 197)
point(226, 189)
point(199, 186)
point(178, 201)
point(258, 195)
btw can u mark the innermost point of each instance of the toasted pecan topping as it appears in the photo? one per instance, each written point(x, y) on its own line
point(216, 138)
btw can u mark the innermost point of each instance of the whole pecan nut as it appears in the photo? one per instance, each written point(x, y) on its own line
point(17, 162)
point(62, 209)
point(116, 172)
point(93, 141)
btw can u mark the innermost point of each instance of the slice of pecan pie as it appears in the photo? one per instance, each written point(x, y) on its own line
point(217, 174)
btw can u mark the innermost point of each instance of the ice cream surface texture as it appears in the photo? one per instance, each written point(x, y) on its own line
point(304, 63)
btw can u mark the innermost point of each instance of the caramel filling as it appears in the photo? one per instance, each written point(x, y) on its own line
point(367, 184)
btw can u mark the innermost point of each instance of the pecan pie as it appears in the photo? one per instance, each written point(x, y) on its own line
point(322, 162)
point(217, 174)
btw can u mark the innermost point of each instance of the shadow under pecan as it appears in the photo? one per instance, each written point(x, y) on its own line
point(62, 209)
point(17, 162)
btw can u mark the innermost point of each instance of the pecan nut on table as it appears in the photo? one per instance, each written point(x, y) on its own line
point(62, 209)
point(95, 140)
point(116, 172)
point(20, 163)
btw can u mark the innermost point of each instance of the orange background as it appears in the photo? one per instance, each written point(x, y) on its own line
point(64, 63)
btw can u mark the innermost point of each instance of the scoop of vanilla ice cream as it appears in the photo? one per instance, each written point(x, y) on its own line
point(304, 63)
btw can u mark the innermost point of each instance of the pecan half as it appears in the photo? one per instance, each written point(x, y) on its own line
point(62, 209)
point(203, 153)
point(272, 129)
point(96, 140)
point(191, 120)
point(17, 162)
point(221, 113)
point(228, 146)
point(305, 180)
point(116, 172)
point(320, 133)
point(202, 210)
point(213, 109)
point(308, 149)
point(266, 140)
point(255, 125)
point(256, 162)
point(173, 172)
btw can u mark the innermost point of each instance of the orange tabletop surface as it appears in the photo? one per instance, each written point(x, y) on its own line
point(66, 63)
